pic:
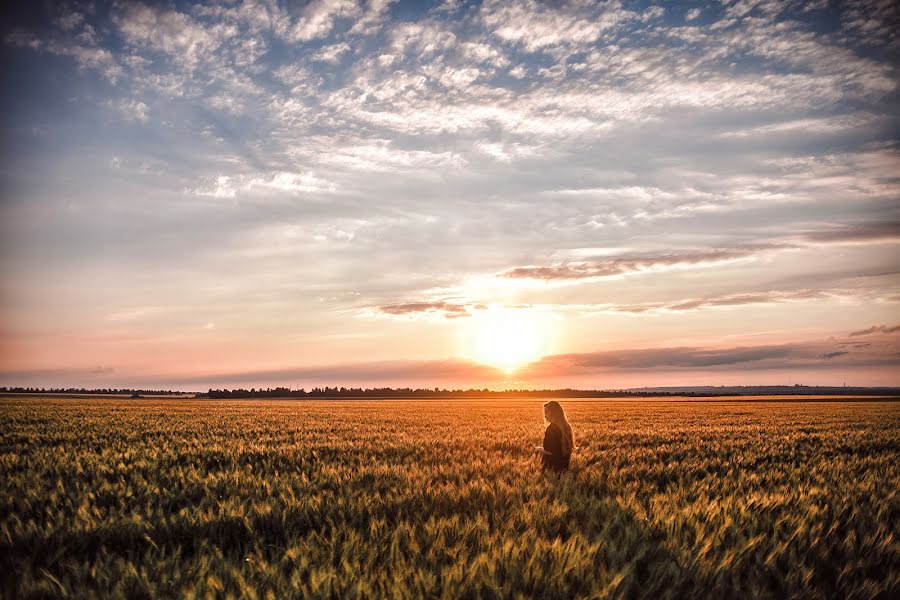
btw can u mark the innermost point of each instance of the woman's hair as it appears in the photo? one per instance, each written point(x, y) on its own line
point(554, 413)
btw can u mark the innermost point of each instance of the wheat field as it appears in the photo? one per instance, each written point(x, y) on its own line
point(398, 499)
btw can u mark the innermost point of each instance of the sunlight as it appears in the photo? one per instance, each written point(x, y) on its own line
point(506, 339)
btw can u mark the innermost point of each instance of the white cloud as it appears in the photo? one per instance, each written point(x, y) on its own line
point(220, 187)
point(291, 182)
point(824, 125)
point(518, 72)
point(226, 186)
point(373, 17)
point(92, 58)
point(331, 54)
point(86, 54)
point(872, 22)
point(505, 152)
point(537, 26)
point(481, 52)
point(23, 39)
point(69, 19)
point(134, 110)
point(226, 103)
point(173, 33)
point(385, 157)
point(318, 18)
point(421, 40)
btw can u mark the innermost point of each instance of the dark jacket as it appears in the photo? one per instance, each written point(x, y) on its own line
point(553, 443)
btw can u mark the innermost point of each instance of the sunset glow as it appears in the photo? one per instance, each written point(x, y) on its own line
point(507, 339)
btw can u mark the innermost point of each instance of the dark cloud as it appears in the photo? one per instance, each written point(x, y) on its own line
point(636, 308)
point(398, 372)
point(876, 231)
point(864, 232)
point(760, 297)
point(775, 357)
point(750, 298)
point(51, 377)
point(876, 329)
point(676, 357)
point(450, 310)
point(630, 264)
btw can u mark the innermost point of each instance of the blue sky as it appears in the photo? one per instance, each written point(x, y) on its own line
point(307, 193)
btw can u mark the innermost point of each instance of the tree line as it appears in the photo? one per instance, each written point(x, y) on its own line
point(388, 392)
point(73, 390)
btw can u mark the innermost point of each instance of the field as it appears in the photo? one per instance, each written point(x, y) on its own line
point(185, 498)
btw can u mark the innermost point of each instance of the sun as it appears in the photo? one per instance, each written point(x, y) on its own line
point(507, 339)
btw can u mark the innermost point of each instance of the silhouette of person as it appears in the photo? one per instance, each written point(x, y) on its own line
point(559, 440)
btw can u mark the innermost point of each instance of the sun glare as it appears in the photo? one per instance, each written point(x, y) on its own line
point(507, 339)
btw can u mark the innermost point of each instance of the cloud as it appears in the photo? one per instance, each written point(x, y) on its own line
point(448, 309)
point(331, 54)
point(536, 26)
point(872, 22)
point(82, 49)
point(692, 14)
point(764, 297)
point(318, 18)
point(173, 33)
point(798, 355)
point(865, 232)
point(613, 267)
point(821, 125)
point(461, 309)
point(374, 14)
point(423, 39)
point(677, 357)
point(385, 156)
point(221, 187)
point(225, 186)
point(505, 152)
point(134, 110)
point(876, 329)
point(68, 376)
point(291, 182)
point(69, 19)
point(873, 232)
point(368, 373)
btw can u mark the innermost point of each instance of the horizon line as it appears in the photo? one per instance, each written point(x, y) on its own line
point(437, 391)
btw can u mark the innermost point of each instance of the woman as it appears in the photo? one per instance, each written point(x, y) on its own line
point(558, 439)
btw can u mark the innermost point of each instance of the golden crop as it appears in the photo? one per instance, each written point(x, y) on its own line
point(187, 498)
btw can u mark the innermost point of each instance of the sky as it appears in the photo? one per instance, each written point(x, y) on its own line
point(454, 194)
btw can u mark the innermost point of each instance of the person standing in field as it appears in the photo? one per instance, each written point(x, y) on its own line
point(559, 440)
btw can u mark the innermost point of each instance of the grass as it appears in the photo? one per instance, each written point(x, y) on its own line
point(270, 499)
